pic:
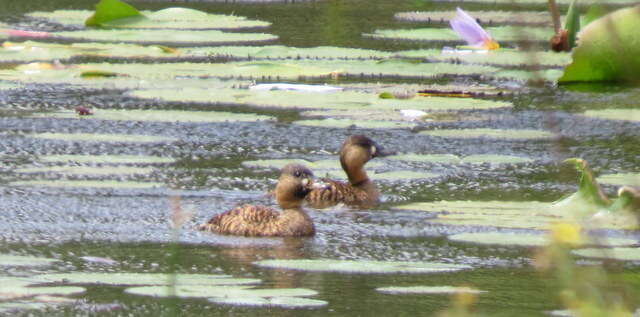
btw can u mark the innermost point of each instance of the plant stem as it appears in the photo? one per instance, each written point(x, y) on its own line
point(555, 15)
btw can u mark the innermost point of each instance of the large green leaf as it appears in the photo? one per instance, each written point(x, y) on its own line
point(500, 33)
point(615, 114)
point(204, 291)
point(483, 17)
point(500, 57)
point(607, 49)
point(169, 18)
point(109, 10)
point(163, 36)
point(286, 52)
point(159, 116)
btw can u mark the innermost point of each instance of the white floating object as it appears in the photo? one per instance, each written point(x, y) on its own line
point(412, 114)
point(295, 87)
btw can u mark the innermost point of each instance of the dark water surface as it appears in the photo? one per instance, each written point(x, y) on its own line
point(131, 226)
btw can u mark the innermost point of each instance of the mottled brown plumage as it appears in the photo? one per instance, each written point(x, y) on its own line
point(295, 182)
point(360, 191)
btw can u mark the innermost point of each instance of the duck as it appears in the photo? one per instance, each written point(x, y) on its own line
point(294, 183)
point(359, 191)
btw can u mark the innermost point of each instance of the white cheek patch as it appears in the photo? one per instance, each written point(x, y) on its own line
point(305, 182)
point(373, 150)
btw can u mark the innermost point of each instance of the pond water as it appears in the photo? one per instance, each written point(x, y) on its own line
point(126, 216)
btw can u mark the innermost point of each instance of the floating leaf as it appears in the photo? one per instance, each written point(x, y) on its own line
point(500, 34)
point(90, 137)
point(500, 57)
point(86, 170)
point(490, 133)
point(106, 159)
point(284, 302)
point(346, 123)
point(362, 267)
point(483, 17)
point(142, 279)
point(286, 52)
point(622, 179)
point(109, 10)
point(606, 48)
point(159, 116)
point(21, 260)
point(88, 184)
point(544, 2)
point(527, 239)
point(315, 165)
point(203, 291)
point(163, 36)
point(453, 159)
point(427, 290)
point(615, 114)
point(169, 18)
point(621, 254)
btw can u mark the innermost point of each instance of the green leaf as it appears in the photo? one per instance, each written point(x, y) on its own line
point(109, 10)
point(361, 267)
point(159, 116)
point(500, 33)
point(395, 290)
point(347, 123)
point(142, 279)
point(606, 49)
point(160, 36)
point(483, 17)
point(489, 133)
point(621, 254)
point(499, 57)
point(572, 23)
point(588, 187)
point(615, 114)
point(281, 301)
point(454, 159)
point(87, 184)
point(596, 11)
point(204, 291)
point(621, 179)
point(22, 260)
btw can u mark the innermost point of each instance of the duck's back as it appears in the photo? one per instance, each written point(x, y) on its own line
point(339, 192)
point(256, 221)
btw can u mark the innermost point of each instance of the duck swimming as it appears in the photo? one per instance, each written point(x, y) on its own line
point(294, 183)
point(360, 191)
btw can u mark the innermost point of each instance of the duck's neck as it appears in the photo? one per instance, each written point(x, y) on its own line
point(357, 176)
point(295, 212)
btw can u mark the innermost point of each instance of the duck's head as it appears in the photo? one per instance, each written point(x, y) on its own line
point(294, 183)
point(357, 150)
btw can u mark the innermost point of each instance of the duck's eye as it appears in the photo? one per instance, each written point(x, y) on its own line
point(297, 173)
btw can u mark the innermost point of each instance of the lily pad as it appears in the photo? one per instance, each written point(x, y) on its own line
point(43, 290)
point(483, 17)
point(163, 36)
point(361, 267)
point(315, 165)
point(543, 2)
point(454, 159)
point(499, 33)
point(21, 260)
point(86, 170)
point(500, 57)
point(107, 159)
point(142, 279)
point(599, 56)
point(286, 52)
point(621, 254)
point(88, 184)
point(347, 123)
point(90, 137)
point(110, 10)
point(526, 239)
point(615, 114)
point(159, 116)
point(427, 290)
point(284, 302)
point(490, 133)
point(204, 291)
point(169, 18)
point(632, 179)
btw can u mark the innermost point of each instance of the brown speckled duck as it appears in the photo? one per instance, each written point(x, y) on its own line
point(295, 182)
point(360, 191)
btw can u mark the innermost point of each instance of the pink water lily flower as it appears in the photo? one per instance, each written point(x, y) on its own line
point(21, 33)
point(470, 31)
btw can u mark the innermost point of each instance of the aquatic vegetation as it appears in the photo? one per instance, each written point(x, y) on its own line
point(159, 116)
point(132, 279)
point(528, 239)
point(620, 179)
point(361, 267)
point(23, 260)
point(106, 159)
point(163, 36)
point(86, 170)
point(280, 301)
point(498, 33)
point(604, 50)
point(489, 133)
point(88, 184)
point(483, 17)
point(614, 114)
point(91, 137)
point(501, 57)
point(621, 254)
point(454, 159)
point(347, 123)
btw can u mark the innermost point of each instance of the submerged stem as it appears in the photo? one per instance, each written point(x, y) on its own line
point(555, 15)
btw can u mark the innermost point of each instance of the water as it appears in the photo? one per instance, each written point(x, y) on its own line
point(131, 226)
